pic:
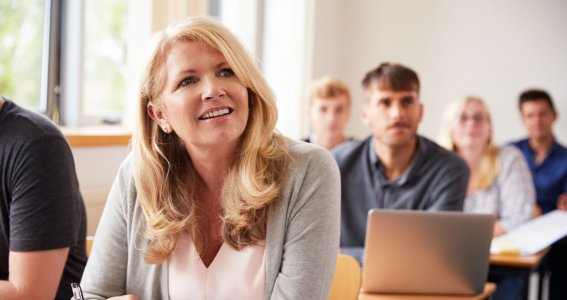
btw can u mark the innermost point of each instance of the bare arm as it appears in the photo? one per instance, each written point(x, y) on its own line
point(499, 229)
point(562, 201)
point(34, 275)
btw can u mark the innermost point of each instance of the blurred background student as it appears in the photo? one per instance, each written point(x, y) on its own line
point(394, 167)
point(329, 112)
point(547, 160)
point(500, 181)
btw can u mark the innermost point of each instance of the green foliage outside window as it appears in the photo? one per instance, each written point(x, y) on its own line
point(105, 57)
point(21, 34)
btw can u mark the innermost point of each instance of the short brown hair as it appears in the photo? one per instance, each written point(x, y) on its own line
point(328, 87)
point(535, 95)
point(392, 76)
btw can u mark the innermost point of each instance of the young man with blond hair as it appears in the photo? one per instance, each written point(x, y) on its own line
point(329, 112)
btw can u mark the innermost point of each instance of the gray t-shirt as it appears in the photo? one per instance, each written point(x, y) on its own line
point(41, 207)
point(435, 180)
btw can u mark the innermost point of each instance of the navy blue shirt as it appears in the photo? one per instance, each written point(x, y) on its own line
point(435, 180)
point(550, 177)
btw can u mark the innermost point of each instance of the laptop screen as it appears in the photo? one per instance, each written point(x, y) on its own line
point(422, 252)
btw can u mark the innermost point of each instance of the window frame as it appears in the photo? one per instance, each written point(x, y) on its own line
point(62, 53)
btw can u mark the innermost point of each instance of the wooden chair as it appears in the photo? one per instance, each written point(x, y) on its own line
point(347, 279)
point(89, 244)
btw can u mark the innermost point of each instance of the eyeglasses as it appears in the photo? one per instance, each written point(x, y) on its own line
point(77, 292)
point(476, 118)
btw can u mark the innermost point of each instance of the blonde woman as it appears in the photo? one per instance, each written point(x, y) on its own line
point(500, 180)
point(213, 203)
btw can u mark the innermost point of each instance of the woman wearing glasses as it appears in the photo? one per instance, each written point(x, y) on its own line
point(500, 180)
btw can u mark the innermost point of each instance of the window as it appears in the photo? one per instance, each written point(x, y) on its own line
point(94, 61)
point(44, 43)
point(278, 33)
point(79, 61)
point(105, 58)
point(21, 47)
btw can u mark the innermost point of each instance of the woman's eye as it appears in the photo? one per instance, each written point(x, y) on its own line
point(226, 73)
point(187, 81)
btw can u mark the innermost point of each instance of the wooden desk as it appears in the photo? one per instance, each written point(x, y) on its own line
point(489, 289)
point(517, 261)
point(514, 265)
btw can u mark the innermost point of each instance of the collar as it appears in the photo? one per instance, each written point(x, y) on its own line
point(555, 146)
point(378, 167)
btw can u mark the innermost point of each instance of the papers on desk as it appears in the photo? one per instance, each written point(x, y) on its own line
point(533, 236)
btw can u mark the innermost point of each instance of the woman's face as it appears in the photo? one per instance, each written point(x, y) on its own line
point(473, 128)
point(203, 100)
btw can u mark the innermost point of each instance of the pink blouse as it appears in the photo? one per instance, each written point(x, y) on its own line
point(232, 274)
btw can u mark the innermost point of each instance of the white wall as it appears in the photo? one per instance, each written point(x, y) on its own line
point(287, 35)
point(96, 168)
point(493, 49)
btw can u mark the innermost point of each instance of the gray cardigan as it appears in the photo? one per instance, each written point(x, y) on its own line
point(301, 244)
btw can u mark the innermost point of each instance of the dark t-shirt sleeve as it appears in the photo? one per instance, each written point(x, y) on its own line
point(44, 212)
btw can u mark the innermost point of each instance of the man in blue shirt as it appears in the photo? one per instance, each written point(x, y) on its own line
point(547, 160)
point(394, 168)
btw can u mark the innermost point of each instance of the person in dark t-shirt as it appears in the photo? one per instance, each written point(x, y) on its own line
point(42, 214)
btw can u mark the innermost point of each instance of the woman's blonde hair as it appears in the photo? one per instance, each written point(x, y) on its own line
point(490, 164)
point(164, 175)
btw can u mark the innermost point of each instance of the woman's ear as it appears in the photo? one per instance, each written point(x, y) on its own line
point(156, 113)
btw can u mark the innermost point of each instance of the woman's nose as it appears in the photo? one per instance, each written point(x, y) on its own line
point(212, 88)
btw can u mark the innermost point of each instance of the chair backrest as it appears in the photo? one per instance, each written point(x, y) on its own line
point(89, 244)
point(347, 279)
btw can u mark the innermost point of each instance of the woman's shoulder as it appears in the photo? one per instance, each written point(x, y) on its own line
point(305, 159)
point(124, 189)
point(509, 154)
point(125, 170)
point(310, 167)
point(513, 162)
point(304, 153)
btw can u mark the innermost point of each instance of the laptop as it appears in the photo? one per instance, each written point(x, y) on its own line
point(423, 252)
